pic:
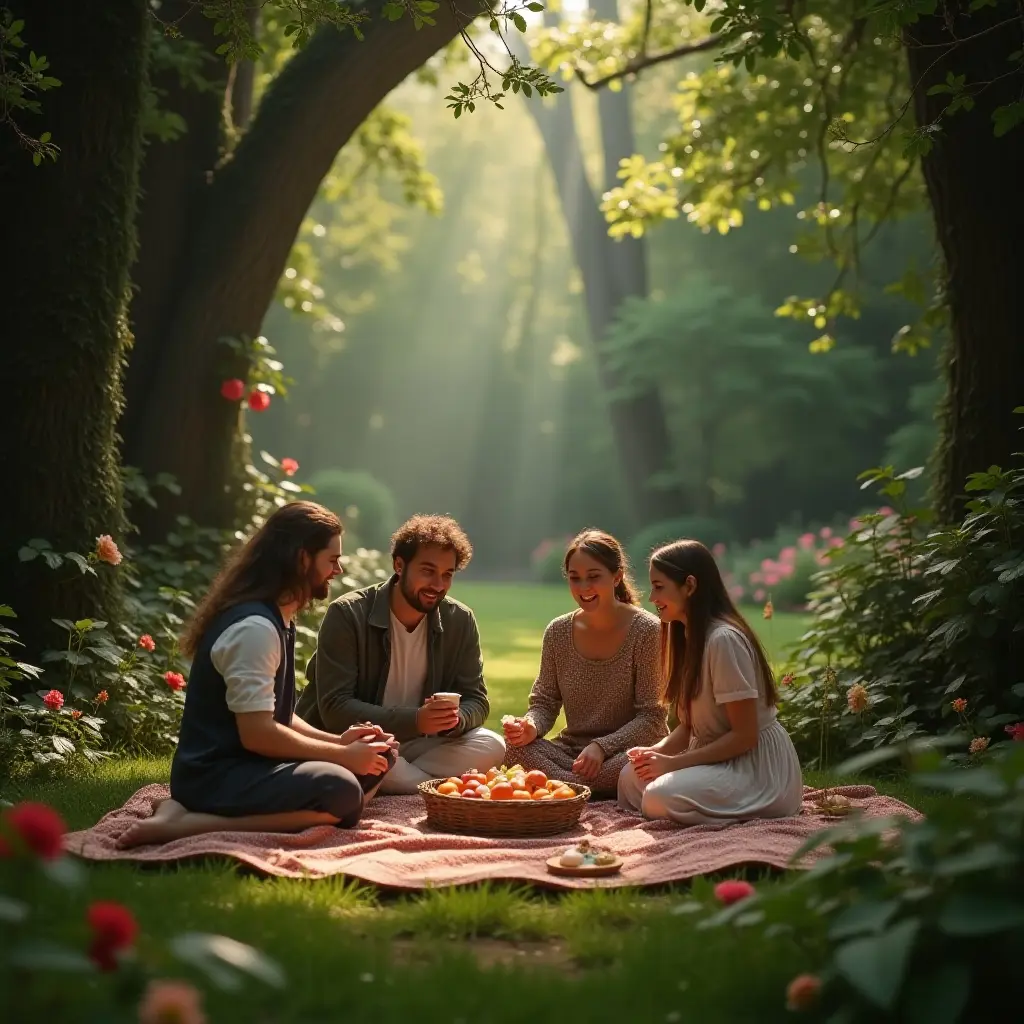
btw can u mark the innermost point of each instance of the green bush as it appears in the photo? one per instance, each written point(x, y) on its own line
point(906, 920)
point(918, 619)
point(709, 532)
point(547, 559)
point(365, 505)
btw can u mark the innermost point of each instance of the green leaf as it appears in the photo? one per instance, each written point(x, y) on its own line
point(875, 965)
point(966, 914)
point(974, 781)
point(519, 21)
point(65, 871)
point(983, 857)
point(26, 554)
point(62, 745)
point(1006, 118)
point(12, 911)
point(219, 957)
point(859, 918)
point(48, 956)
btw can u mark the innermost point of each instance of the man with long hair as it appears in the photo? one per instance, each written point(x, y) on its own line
point(245, 762)
point(406, 657)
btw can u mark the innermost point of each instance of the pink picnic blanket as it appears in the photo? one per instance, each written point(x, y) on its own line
point(394, 847)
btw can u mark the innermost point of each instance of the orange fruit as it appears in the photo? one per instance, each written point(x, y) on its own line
point(448, 789)
point(502, 791)
point(541, 794)
point(520, 794)
point(454, 779)
point(474, 777)
point(554, 784)
point(492, 774)
point(564, 793)
point(535, 780)
point(470, 792)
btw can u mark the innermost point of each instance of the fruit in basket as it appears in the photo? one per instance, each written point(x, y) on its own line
point(535, 780)
point(447, 789)
point(541, 794)
point(502, 791)
point(554, 784)
point(563, 793)
point(520, 794)
point(474, 777)
point(492, 774)
point(470, 793)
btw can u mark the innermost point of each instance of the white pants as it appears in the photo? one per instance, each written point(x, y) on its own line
point(437, 757)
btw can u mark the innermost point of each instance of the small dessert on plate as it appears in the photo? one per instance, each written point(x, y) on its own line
point(585, 859)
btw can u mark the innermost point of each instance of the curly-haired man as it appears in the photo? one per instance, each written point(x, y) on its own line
point(405, 656)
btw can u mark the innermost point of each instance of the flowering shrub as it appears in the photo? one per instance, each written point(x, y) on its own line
point(918, 618)
point(546, 559)
point(96, 938)
point(123, 686)
point(905, 920)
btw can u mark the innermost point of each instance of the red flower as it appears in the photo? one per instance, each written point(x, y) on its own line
point(40, 828)
point(787, 679)
point(147, 643)
point(959, 705)
point(1016, 732)
point(259, 401)
point(75, 713)
point(113, 928)
point(102, 697)
point(233, 389)
point(733, 891)
point(289, 467)
point(175, 680)
point(54, 700)
point(802, 992)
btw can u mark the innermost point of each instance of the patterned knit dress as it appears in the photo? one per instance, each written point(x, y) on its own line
point(615, 702)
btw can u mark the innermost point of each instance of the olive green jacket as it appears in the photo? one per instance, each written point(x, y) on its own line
point(349, 669)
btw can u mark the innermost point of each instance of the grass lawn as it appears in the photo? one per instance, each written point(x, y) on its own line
point(472, 955)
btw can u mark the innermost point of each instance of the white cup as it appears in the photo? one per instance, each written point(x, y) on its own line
point(452, 699)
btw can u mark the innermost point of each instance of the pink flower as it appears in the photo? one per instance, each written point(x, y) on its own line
point(732, 891)
point(718, 550)
point(806, 541)
point(802, 992)
point(854, 524)
point(768, 565)
point(233, 389)
point(175, 680)
point(885, 511)
point(1016, 732)
point(756, 577)
point(54, 700)
point(978, 745)
point(171, 1002)
point(76, 714)
point(787, 679)
point(759, 596)
point(106, 550)
point(787, 570)
point(836, 542)
point(857, 698)
point(147, 643)
point(787, 554)
point(736, 592)
point(259, 401)
point(825, 532)
point(38, 826)
point(289, 467)
point(959, 705)
point(102, 697)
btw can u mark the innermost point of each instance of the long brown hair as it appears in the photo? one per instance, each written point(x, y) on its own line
point(682, 647)
point(267, 567)
point(604, 548)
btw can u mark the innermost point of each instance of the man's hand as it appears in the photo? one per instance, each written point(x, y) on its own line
point(435, 717)
point(589, 762)
point(365, 757)
point(367, 731)
point(519, 732)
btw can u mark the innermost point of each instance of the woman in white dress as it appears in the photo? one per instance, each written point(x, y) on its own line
point(729, 759)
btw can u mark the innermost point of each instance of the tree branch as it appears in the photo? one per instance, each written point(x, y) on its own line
point(642, 61)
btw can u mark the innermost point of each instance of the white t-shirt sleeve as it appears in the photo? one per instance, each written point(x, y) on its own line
point(732, 666)
point(248, 655)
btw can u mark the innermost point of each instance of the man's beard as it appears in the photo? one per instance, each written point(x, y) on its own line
point(318, 587)
point(413, 598)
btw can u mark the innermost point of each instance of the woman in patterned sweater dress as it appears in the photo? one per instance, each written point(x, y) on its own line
point(601, 664)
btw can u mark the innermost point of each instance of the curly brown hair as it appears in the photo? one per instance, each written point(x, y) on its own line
point(422, 530)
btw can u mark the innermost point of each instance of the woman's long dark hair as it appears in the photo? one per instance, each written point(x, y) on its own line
point(682, 647)
point(604, 548)
point(267, 567)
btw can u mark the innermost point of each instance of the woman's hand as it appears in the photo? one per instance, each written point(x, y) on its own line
point(519, 732)
point(365, 757)
point(588, 764)
point(649, 764)
point(367, 732)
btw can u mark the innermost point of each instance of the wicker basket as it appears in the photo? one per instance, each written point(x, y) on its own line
point(502, 817)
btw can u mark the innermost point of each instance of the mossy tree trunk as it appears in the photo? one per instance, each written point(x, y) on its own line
point(217, 238)
point(68, 239)
point(975, 184)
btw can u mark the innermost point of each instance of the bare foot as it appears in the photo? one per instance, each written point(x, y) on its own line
point(164, 825)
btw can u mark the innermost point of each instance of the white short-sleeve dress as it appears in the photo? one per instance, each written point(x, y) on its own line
point(763, 783)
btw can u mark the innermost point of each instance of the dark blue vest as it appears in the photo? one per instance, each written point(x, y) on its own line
point(209, 731)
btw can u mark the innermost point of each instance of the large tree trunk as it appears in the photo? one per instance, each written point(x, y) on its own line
point(242, 221)
point(976, 186)
point(68, 235)
point(611, 272)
